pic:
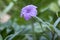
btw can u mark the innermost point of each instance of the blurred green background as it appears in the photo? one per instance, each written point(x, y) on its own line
point(17, 28)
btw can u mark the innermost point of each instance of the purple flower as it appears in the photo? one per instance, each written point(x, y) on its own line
point(28, 12)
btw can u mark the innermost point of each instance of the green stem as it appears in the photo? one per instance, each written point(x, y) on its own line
point(54, 26)
point(56, 22)
point(33, 32)
point(57, 14)
point(53, 34)
point(40, 20)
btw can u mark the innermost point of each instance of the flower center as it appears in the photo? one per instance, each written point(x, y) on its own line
point(28, 10)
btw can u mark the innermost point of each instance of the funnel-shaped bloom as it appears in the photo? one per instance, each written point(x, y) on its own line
point(28, 11)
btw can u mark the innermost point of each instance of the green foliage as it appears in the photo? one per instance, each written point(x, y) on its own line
point(18, 28)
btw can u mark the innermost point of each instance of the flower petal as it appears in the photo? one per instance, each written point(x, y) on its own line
point(27, 17)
